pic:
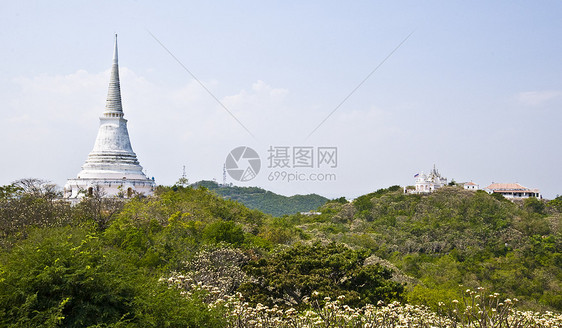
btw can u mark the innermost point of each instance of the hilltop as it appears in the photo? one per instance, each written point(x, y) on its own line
point(454, 237)
point(266, 201)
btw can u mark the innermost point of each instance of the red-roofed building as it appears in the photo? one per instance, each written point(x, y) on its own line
point(513, 190)
point(470, 186)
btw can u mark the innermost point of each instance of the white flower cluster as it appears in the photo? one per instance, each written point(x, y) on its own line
point(216, 271)
point(335, 314)
point(476, 309)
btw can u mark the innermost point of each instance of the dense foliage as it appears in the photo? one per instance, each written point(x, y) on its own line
point(455, 237)
point(70, 277)
point(293, 275)
point(266, 201)
point(174, 258)
point(29, 202)
point(103, 261)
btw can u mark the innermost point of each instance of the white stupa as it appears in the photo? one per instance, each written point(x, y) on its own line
point(112, 165)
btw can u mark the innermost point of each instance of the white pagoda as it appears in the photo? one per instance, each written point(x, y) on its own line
point(112, 166)
point(426, 183)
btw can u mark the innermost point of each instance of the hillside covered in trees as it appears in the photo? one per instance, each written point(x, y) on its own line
point(454, 237)
point(187, 257)
point(264, 200)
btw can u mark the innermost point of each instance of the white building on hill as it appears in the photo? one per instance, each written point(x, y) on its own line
point(471, 186)
point(426, 183)
point(111, 165)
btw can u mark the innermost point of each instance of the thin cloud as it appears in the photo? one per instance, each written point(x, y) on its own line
point(538, 98)
point(261, 94)
point(20, 118)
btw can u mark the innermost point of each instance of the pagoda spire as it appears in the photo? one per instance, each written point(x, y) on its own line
point(111, 165)
point(113, 103)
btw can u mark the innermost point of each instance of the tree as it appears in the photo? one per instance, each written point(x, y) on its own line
point(341, 200)
point(68, 277)
point(98, 207)
point(224, 231)
point(10, 191)
point(38, 188)
point(556, 204)
point(182, 182)
point(216, 267)
point(289, 277)
point(534, 205)
point(30, 202)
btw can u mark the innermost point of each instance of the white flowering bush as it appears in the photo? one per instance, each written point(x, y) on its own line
point(481, 309)
point(218, 271)
point(477, 308)
point(333, 313)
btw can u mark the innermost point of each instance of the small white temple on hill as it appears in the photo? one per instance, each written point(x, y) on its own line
point(426, 183)
point(111, 165)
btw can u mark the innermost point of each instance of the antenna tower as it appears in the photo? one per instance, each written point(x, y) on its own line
point(224, 174)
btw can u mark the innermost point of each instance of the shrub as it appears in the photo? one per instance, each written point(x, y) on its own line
point(68, 277)
point(290, 276)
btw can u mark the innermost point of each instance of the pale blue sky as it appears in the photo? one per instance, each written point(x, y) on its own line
point(476, 89)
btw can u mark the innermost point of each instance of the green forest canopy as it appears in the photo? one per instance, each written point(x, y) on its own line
point(100, 262)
